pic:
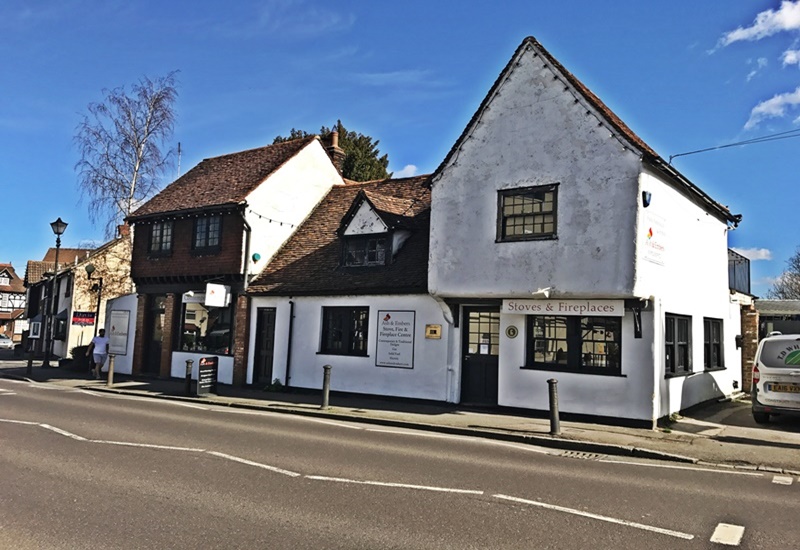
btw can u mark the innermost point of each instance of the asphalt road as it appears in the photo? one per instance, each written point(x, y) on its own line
point(89, 470)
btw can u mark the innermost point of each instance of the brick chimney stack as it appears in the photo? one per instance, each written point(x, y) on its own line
point(335, 152)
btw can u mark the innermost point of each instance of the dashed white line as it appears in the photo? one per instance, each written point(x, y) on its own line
point(396, 485)
point(62, 432)
point(256, 464)
point(147, 445)
point(669, 532)
point(727, 534)
point(783, 480)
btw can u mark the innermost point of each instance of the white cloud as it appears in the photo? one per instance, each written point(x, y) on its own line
point(761, 62)
point(767, 23)
point(754, 254)
point(407, 171)
point(774, 107)
point(791, 57)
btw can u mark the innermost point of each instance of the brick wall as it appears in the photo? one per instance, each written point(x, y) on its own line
point(139, 337)
point(183, 261)
point(240, 341)
point(172, 307)
point(749, 317)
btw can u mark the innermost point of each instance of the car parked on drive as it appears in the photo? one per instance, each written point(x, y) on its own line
point(776, 376)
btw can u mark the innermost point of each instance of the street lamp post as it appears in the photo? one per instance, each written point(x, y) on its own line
point(58, 226)
point(97, 287)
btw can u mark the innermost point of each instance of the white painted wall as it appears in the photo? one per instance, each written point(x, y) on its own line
point(689, 278)
point(628, 396)
point(534, 133)
point(428, 379)
point(365, 222)
point(123, 362)
point(285, 199)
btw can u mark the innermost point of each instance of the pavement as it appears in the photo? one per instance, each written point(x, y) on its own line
point(721, 433)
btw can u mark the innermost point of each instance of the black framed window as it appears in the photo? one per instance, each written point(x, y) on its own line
point(207, 232)
point(712, 344)
point(677, 344)
point(527, 213)
point(591, 345)
point(161, 238)
point(366, 251)
point(344, 330)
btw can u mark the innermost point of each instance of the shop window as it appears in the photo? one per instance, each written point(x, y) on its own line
point(59, 329)
point(206, 329)
point(712, 344)
point(160, 239)
point(527, 213)
point(207, 233)
point(590, 345)
point(677, 344)
point(344, 330)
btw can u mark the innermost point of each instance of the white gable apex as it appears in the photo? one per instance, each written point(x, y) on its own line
point(366, 222)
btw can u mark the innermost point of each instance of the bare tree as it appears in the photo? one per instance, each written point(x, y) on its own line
point(787, 287)
point(123, 147)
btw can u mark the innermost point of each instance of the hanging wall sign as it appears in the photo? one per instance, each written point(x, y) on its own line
point(395, 347)
point(83, 318)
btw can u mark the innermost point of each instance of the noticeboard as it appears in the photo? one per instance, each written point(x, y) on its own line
point(207, 375)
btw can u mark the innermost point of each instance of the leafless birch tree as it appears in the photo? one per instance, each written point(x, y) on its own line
point(787, 287)
point(124, 149)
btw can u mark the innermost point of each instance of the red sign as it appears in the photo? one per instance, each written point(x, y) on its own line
point(83, 318)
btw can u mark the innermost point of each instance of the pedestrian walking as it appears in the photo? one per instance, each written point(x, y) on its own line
point(98, 350)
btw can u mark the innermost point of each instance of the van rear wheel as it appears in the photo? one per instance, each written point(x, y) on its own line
point(761, 417)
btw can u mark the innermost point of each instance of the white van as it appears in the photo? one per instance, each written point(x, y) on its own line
point(776, 376)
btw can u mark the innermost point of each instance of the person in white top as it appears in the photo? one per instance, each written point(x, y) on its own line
point(99, 350)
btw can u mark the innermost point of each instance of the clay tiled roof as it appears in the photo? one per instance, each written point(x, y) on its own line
point(66, 255)
point(310, 262)
point(16, 284)
point(221, 181)
point(10, 315)
point(648, 154)
point(35, 271)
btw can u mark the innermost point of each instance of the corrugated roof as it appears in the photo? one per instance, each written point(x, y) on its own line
point(220, 181)
point(310, 262)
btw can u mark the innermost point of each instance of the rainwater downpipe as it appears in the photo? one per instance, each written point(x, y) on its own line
point(247, 231)
point(289, 348)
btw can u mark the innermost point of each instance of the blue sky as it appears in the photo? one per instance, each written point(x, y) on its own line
point(683, 74)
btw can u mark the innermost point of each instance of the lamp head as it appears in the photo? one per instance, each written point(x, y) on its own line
point(89, 270)
point(59, 226)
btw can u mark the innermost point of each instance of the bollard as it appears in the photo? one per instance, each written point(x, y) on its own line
point(189, 377)
point(29, 368)
point(110, 381)
point(555, 424)
point(326, 386)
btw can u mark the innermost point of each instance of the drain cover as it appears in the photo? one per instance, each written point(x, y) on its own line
point(584, 456)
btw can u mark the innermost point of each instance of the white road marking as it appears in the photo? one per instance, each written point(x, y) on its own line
point(256, 464)
point(396, 485)
point(783, 480)
point(23, 422)
point(473, 439)
point(669, 532)
point(692, 468)
point(62, 432)
point(147, 445)
point(727, 534)
point(7, 392)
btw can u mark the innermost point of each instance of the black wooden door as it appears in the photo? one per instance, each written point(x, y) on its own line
point(155, 334)
point(265, 345)
point(480, 348)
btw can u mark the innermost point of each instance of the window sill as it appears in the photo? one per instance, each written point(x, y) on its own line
point(526, 238)
point(342, 353)
point(692, 373)
point(566, 368)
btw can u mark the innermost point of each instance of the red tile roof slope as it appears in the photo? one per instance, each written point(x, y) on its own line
point(224, 180)
point(16, 284)
point(310, 262)
point(67, 255)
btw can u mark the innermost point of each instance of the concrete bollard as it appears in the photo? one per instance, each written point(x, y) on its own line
point(326, 386)
point(555, 424)
point(189, 363)
point(110, 381)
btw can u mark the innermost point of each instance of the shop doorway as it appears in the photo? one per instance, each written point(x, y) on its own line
point(155, 334)
point(480, 352)
point(265, 345)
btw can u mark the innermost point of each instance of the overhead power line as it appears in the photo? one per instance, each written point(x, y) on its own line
point(771, 137)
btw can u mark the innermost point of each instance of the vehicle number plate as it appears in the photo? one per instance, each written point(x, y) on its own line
point(785, 388)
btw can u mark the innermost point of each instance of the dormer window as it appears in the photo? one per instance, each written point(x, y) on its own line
point(366, 250)
point(4, 280)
